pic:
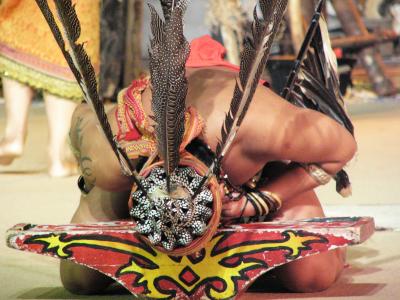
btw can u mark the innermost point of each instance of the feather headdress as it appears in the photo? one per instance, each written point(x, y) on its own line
point(168, 54)
point(81, 67)
point(314, 83)
point(252, 63)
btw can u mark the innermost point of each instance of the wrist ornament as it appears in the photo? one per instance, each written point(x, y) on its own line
point(264, 202)
point(317, 173)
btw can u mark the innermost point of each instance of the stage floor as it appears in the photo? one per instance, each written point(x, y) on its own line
point(29, 195)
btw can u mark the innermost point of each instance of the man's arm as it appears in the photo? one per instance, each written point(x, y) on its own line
point(97, 161)
point(277, 130)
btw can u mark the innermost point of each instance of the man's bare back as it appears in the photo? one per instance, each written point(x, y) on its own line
point(272, 130)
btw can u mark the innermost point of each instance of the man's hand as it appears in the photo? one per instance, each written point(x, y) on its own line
point(235, 206)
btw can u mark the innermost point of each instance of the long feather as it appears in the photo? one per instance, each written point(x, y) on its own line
point(318, 80)
point(313, 82)
point(81, 67)
point(253, 60)
point(252, 64)
point(168, 54)
point(167, 6)
point(293, 75)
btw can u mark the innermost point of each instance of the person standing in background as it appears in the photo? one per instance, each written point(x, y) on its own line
point(31, 60)
point(121, 25)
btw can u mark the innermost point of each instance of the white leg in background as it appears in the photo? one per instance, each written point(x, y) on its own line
point(18, 98)
point(59, 112)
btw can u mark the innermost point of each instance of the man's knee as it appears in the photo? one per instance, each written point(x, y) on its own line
point(311, 282)
point(314, 273)
point(81, 280)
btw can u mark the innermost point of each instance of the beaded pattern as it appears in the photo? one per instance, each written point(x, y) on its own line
point(318, 174)
point(175, 219)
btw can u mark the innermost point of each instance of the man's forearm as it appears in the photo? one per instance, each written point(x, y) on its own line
point(288, 184)
point(291, 183)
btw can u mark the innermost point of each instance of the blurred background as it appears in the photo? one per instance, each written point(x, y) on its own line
point(365, 38)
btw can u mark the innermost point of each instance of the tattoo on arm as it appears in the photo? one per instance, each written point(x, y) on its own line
point(85, 162)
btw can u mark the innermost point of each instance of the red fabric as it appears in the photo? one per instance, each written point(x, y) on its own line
point(206, 52)
point(132, 135)
point(338, 52)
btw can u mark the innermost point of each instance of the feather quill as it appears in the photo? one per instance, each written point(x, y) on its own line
point(81, 67)
point(313, 82)
point(167, 6)
point(252, 63)
point(168, 54)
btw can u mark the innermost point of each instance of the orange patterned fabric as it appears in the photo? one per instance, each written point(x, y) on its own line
point(135, 133)
point(29, 53)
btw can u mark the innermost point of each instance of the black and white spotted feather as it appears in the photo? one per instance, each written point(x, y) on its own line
point(81, 67)
point(168, 54)
point(252, 63)
point(313, 82)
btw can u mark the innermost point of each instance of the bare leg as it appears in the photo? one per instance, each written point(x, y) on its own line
point(314, 273)
point(17, 98)
point(310, 274)
point(59, 113)
point(98, 205)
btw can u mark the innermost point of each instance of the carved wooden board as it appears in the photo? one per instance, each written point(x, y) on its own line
point(224, 269)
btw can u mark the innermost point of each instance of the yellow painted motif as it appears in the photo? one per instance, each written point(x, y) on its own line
point(54, 242)
point(208, 269)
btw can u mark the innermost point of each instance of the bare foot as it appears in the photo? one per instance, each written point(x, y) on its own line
point(9, 151)
point(57, 170)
